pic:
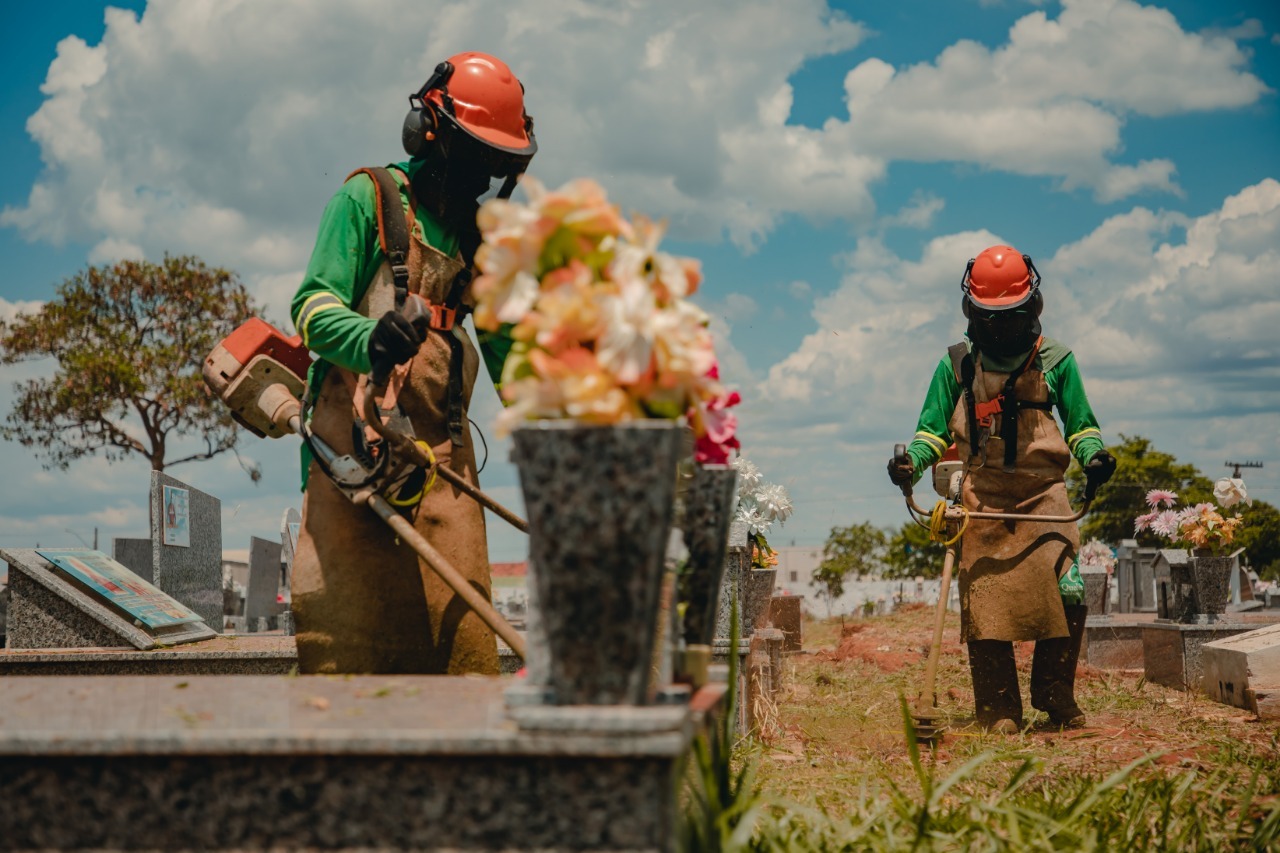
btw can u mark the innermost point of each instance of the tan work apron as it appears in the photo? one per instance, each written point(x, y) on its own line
point(1008, 571)
point(363, 602)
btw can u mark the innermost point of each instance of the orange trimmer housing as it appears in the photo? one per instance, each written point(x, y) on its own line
point(261, 374)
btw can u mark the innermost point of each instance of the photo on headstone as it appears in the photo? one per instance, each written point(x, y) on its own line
point(177, 526)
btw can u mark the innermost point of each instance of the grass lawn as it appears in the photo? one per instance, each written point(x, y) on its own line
point(1154, 769)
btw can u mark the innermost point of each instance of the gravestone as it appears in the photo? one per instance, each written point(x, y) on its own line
point(134, 554)
point(81, 598)
point(264, 581)
point(186, 543)
point(1235, 667)
point(290, 527)
point(787, 615)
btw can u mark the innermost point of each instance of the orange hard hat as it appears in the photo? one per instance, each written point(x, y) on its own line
point(477, 94)
point(1000, 277)
point(486, 99)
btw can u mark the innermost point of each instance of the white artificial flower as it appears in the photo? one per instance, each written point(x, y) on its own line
point(1230, 491)
point(774, 502)
point(748, 475)
point(751, 516)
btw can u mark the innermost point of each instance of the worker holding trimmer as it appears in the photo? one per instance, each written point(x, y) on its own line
point(994, 395)
point(362, 601)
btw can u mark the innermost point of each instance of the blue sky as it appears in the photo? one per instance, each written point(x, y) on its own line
point(832, 165)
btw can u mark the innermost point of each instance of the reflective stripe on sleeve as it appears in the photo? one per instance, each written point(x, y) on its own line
point(310, 308)
point(937, 444)
point(1083, 434)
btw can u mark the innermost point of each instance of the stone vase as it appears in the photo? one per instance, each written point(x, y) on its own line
point(1097, 591)
point(708, 510)
point(1211, 582)
point(599, 504)
point(758, 595)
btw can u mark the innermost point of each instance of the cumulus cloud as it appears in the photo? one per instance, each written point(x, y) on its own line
point(1053, 99)
point(220, 129)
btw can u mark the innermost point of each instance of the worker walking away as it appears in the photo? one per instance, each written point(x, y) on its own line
point(362, 600)
point(994, 394)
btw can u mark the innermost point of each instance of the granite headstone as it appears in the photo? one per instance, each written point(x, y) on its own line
point(136, 554)
point(186, 542)
point(264, 580)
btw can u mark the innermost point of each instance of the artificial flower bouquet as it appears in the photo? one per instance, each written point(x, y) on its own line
point(603, 329)
point(1201, 526)
point(1096, 554)
point(760, 504)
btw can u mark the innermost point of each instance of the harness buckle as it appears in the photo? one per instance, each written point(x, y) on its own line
point(984, 411)
point(442, 318)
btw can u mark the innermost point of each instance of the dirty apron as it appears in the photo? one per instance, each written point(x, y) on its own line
point(363, 602)
point(1008, 572)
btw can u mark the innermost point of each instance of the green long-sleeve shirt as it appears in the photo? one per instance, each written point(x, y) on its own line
point(345, 260)
point(1066, 394)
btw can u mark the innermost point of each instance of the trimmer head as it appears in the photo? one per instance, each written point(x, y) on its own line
point(929, 724)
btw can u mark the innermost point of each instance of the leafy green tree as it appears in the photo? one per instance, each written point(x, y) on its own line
point(1260, 537)
point(854, 550)
point(129, 342)
point(911, 553)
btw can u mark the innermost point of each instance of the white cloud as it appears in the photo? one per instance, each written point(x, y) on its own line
point(220, 129)
point(9, 310)
point(1053, 99)
point(917, 213)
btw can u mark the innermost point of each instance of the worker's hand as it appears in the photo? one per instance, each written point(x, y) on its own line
point(901, 473)
point(1097, 471)
point(394, 341)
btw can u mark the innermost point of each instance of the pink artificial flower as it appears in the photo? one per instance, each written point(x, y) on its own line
point(1143, 522)
point(716, 429)
point(1158, 497)
point(1166, 524)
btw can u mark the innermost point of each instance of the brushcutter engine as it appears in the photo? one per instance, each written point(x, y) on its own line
point(260, 373)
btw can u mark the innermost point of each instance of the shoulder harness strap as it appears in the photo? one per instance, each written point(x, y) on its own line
point(393, 230)
point(963, 368)
point(1009, 423)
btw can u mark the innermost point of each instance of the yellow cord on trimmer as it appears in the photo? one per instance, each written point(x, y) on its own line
point(938, 524)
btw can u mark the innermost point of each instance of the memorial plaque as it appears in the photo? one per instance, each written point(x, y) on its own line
point(177, 517)
point(82, 598)
point(119, 587)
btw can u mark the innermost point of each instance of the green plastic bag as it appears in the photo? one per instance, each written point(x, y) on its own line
point(1071, 585)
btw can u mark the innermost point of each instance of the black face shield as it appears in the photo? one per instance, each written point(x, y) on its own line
point(1004, 333)
point(458, 168)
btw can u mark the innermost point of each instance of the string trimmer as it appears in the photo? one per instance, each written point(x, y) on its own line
point(947, 523)
point(259, 372)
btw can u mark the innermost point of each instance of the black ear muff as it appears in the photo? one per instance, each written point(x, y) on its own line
point(419, 122)
point(964, 306)
point(1037, 302)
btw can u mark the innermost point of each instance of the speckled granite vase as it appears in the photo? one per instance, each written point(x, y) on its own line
point(758, 594)
point(1211, 583)
point(708, 510)
point(599, 503)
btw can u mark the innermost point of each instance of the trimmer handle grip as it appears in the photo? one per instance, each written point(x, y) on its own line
point(900, 457)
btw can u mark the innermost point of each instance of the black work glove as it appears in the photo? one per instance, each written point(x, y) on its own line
point(901, 473)
point(1097, 471)
point(394, 341)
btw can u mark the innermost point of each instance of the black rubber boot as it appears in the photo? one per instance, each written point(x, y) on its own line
point(995, 685)
point(1053, 672)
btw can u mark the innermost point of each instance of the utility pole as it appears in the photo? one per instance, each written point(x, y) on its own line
point(1238, 465)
